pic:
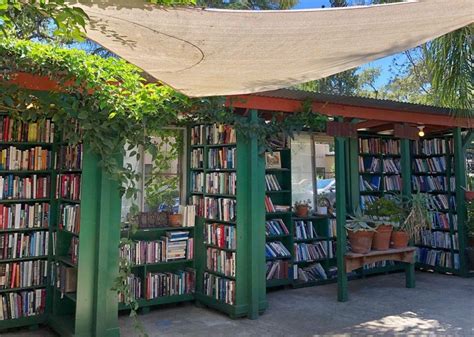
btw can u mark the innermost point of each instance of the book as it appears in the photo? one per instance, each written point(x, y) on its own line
point(305, 230)
point(221, 183)
point(70, 218)
point(310, 251)
point(271, 183)
point(20, 216)
point(16, 305)
point(276, 227)
point(33, 159)
point(14, 130)
point(213, 134)
point(20, 245)
point(134, 284)
point(277, 270)
point(313, 272)
point(161, 284)
point(221, 158)
point(221, 261)
point(220, 288)
point(220, 235)
point(276, 249)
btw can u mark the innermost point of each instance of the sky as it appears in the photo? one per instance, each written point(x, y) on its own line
point(383, 63)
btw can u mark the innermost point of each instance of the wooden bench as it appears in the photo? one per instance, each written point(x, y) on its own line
point(406, 256)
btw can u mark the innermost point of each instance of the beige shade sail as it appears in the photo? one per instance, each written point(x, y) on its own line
point(204, 52)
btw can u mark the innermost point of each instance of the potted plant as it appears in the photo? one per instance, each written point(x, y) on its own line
point(417, 217)
point(302, 208)
point(360, 233)
point(386, 214)
point(322, 205)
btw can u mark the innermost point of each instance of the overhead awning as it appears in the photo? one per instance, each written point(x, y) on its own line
point(205, 52)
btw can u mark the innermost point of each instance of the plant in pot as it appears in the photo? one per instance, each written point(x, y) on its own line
point(302, 208)
point(360, 233)
point(323, 205)
point(386, 215)
point(416, 217)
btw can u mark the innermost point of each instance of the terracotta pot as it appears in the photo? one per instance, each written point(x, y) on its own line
point(302, 211)
point(399, 239)
point(174, 220)
point(469, 195)
point(360, 241)
point(382, 237)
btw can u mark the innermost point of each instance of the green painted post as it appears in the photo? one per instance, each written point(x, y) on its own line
point(410, 275)
point(460, 177)
point(256, 224)
point(353, 173)
point(108, 239)
point(405, 163)
point(342, 293)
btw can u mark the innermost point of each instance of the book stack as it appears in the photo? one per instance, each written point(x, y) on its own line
point(175, 283)
point(219, 235)
point(221, 183)
point(221, 158)
point(379, 145)
point(272, 208)
point(392, 183)
point(134, 284)
point(178, 245)
point(220, 288)
point(22, 304)
point(313, 272)
point(277, 270)
point(14, 130)
point(430, 183)
point(276, 227)
point(213, 134)
point(197, 182)
point(70, 157)
point(23, 274)
point(221, 261)
point(275, 250)
point(24, 187)
point(69, 186)
point(304, 230)
point(430, 147)
point(20, 245)
point(189, 215)
point(310, 251)
point(430, 165)
point(70, 218)
point(19, 216)
point(197, 158)
point(391, 166)
point(223, 209)
point(33, 159)
point(271, 183)
point(436, 239)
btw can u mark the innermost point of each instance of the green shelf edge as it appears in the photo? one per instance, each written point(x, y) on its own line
point(23, 321)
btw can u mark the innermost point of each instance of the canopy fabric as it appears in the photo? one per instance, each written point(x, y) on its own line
point(205, 52)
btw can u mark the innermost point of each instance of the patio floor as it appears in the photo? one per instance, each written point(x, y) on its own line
point(440, 305)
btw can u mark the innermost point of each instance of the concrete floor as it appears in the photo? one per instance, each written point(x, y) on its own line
point(440, 305)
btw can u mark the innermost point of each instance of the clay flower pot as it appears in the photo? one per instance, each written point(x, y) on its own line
point(382, 237)
point(399, 239)
point(175, 220)
point(361, 241)
point(302, 211)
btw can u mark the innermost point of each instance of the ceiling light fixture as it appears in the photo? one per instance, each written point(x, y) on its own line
point(421, 131)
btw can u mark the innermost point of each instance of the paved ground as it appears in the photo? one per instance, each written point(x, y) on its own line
point(379, 306)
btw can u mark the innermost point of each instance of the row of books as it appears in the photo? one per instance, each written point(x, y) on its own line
point(70, 157)
point(188, 213)
point(22, 304)
point(370, 164)
point(277, 270)
point(441, 202)
point(222, 236)
point(24, 187)
point(221, 183)
point(74, 250)
point(15, 130)
point(20, 216)
point(276, 249)
point(23, 274)
point(332, 228)
point(305, 230)
point(369, 183)
point(212, 134)
point(378, 264)
point(437, 258)
point(392, 183)
point(163, 284)
point(68, 186)
point(70, 218)
point(221, 158)
point(437, 239)
point(197, 159)
point(220, 288)
point(313, 272)
point(134, 286)
point(443, 221)
point(164, 250)
point(432, 183)
point(276, 227)
point(366, 200)
point(379, 145)
point(433, 146)
point(270, 207)
point(222, 209)
point(430, 165)
point(310, 251)
point(197, 182)
point(34, 159)
point(221, 261)
point(20, 245)
point(271, 183)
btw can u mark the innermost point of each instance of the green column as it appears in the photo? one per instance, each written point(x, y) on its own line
point(460, 177)
point(405, 163)
point(353, 173)
point(341, 218)
point(108, 239)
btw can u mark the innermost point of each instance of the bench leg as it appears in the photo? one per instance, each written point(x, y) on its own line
point(410, 275)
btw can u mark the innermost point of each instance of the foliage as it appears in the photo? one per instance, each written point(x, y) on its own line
point(417, 214)
point(303, 203)
point(385, 211)
point(359, 222)
point(449, 61)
